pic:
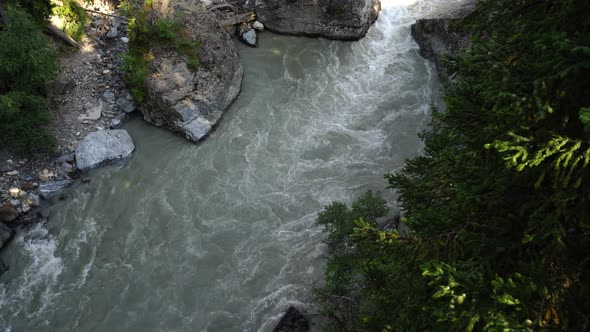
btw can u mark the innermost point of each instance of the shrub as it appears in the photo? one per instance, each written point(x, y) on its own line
point(74, 18)
point(145, 29)
point(27, 67)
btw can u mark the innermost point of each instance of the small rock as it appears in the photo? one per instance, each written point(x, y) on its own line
point(9, 161)
point(27, 186)
point(66, 158)
point(106, 71)
point(15, 202)
point(109, 97)
point(12, 173)
point(248, 37)
point(26, 208)
point(49, 190)
point(5, 235)
point(112, 33)
point(115, 22)
point(118, 119)
point(126, 105)
point(67, 167)
point(125, 40)
point(93, 113)
point(46, 175)
point(8, 213)
point(257, 25)
point(34, 200)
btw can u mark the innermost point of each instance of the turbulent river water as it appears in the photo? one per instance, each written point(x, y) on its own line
point(221, 236)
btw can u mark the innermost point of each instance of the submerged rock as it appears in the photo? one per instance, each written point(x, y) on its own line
point(51, 189)
point(5, 235)
point(187, 101)
point(292, 321)
point(3, 267)
point(343, 19)
point(103, 146)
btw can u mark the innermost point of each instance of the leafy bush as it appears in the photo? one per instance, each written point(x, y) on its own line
point(499, 205)
point(27, 67)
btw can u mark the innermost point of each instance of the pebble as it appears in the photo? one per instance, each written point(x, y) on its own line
point(106, 71)
point(12, 173)
point(125, 40)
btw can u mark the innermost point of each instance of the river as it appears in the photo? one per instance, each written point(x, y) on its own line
point(221, 236)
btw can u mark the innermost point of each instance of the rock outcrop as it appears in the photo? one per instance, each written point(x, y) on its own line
point(436, 36)
point(187, 102)
point(343, 19)
point(100, 147)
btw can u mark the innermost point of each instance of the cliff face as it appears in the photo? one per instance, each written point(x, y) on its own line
point(334, 19)
point(436, 37)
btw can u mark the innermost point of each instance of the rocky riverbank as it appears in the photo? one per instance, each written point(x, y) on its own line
point(89, 99)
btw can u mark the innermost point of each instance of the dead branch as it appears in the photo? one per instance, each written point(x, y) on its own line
point(105, 14)
point(224, 6)
point(242, 18)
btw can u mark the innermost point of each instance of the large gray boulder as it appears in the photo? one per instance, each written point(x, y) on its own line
point(437, 37)
point(100, 147)
point(187, 102)
point(342, 19)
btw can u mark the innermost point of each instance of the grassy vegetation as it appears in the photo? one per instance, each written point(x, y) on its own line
point(499, 204)
point(74, 18)
point(145, 30)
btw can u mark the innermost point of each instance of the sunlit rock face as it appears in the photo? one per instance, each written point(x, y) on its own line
point(192, 102)
point(342, 19)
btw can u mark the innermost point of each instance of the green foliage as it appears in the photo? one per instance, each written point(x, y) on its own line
point(145, 29)
point(27, 67)
point(499, 204)
point(40, 10)
point(74, 18)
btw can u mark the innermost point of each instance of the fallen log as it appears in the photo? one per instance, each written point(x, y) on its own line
point(55, 31)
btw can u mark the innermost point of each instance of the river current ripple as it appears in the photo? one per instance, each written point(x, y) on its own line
point(221, 236)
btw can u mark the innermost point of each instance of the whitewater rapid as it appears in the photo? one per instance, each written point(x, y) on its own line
point(221, 236)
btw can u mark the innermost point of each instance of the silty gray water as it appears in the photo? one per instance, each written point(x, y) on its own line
point(220, 236)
